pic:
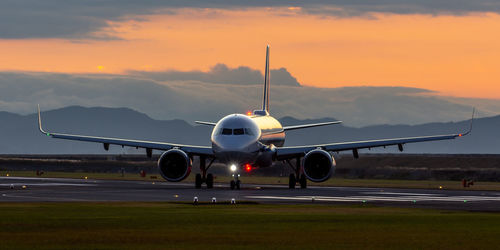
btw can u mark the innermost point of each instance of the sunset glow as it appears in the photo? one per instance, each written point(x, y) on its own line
point(454, 55)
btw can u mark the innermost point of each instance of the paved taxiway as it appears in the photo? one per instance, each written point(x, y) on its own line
point(62, 189)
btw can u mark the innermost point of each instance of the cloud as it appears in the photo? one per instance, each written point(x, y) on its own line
point(84, 19)
point(222, 74)
point(197, 100)
point(427, 7)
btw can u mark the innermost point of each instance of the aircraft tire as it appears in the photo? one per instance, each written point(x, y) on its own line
point(303, 181)
point(291, 181)
point(210, 181)
point(197, 181)
point(238, 184)
point(233, 185)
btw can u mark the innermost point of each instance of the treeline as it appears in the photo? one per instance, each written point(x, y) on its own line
point(369, 166)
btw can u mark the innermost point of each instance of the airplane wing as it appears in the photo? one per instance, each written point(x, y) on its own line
point(286, 128)
point(283, 153)
point(148, 145)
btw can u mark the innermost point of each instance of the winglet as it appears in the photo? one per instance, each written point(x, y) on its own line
point(471, 122)
point(40, 122)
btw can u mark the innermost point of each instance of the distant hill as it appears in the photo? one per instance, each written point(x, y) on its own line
point(19, 133)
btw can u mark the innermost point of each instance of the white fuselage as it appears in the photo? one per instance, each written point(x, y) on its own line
point(239, 139)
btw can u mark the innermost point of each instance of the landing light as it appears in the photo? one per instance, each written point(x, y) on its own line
point(233, 168)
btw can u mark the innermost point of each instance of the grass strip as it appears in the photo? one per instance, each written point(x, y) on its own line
point(181, 226)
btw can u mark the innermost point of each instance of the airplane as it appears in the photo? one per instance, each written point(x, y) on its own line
point(247, 141)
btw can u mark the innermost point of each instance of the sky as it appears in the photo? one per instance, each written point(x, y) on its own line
point(446, 49)
point(435, 45)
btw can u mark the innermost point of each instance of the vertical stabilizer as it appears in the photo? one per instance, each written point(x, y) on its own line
point(265, 102)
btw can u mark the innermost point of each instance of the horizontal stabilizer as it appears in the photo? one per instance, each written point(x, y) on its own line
point(205, 123)
point(310, 125)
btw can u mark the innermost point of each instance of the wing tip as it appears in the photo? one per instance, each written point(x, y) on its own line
point(40, 122)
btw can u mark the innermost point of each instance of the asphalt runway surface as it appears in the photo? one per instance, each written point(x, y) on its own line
point(81, 190)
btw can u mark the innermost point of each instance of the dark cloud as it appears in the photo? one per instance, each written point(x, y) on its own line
point(222, 74)
point(56, 18)
point(82, 19)
point(346, 8)
point(193, 100)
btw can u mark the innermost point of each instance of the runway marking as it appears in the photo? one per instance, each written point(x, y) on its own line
point(41, 179)
point(401, 193)
point(380, 198)
point(343, 188)
point(42, 198)
point(45, 184)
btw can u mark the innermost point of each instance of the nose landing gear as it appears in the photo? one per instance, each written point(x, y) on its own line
point(235, 184)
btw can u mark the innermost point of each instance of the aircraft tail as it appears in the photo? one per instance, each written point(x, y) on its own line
point(265, 102)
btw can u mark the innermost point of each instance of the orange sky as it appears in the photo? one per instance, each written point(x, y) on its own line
point(455, 55)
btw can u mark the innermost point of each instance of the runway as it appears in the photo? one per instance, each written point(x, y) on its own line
point(27, 189)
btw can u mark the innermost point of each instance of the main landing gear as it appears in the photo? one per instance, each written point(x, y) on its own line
point(204, 177)
point(298, 177)
point(292, 181)
point(199, 180)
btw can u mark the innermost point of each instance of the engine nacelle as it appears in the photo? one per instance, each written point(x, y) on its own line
point(174, 165)
point(318, 165)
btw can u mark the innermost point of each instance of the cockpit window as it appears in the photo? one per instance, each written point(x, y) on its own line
point(227, 131)
point(238, 131)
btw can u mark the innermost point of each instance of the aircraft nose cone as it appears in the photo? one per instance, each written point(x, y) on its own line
point(233, 143)
point(231, 150)
point(234, 156)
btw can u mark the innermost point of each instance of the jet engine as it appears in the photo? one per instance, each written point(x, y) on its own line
point(175, 165)
point(318, 165)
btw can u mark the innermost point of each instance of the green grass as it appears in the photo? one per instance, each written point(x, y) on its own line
point(378, 183)
point(182, 226)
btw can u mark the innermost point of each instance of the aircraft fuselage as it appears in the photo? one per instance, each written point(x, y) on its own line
point(239, 139)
